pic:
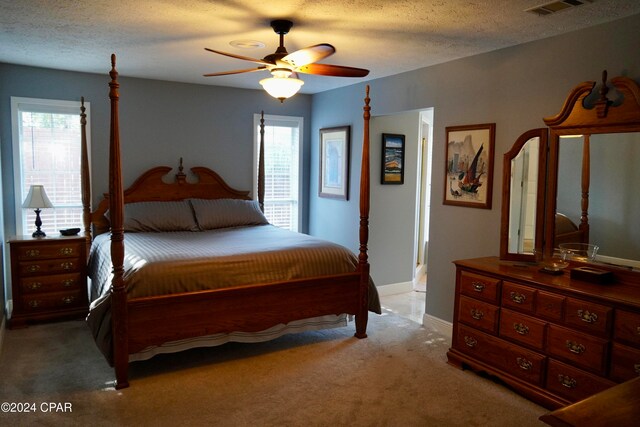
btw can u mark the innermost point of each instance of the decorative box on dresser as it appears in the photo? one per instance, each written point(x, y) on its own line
point(554, 339)
point(48, 279)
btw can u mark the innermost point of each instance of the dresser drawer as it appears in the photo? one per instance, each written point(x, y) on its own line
point(550, 306)
point(573, 384)
point(521, 298)
point(625, 363)
point(49, 266)
point(58, 249)
point(480, 315)
point(595, 318)
point(479, 287)
point(522, 328)
point(54, 300)
point(517, 361)
point(586, 351)
point(56, 282)
point(627, 327)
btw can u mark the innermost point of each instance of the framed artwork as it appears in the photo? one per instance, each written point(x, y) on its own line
point(469, 168)
point(392, 159)
point(334, 162)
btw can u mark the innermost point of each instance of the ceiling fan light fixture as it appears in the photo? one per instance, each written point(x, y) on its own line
point(281, 86)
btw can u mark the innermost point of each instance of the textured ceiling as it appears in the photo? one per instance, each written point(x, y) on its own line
point(165, 39)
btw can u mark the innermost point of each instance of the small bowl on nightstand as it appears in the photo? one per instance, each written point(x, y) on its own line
point(555, 263)
point(70, 231)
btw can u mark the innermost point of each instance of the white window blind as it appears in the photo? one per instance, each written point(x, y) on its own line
point(282, 141)
point(47, 151)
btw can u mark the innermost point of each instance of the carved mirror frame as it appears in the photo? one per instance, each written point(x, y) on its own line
point(507, 173)
point(578, 116)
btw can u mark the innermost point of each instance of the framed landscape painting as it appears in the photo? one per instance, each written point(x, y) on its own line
point(392, 159)
point(334, 162)
point(469, 168)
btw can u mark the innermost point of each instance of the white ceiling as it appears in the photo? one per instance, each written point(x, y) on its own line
point(165, 39)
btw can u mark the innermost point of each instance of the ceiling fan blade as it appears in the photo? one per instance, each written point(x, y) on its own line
point(332, 70)
point(309, 54)
point(225, 73)
point(245, 58)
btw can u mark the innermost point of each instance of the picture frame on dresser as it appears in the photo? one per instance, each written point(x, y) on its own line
point(469, 165)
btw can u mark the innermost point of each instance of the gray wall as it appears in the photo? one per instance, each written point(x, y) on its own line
point(514, 88)
point(159, 123)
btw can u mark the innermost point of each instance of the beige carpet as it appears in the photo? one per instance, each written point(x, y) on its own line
point(396, 377)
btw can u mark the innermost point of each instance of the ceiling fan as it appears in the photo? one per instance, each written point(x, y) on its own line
point(284, 66)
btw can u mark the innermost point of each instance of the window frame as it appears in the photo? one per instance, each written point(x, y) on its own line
point(256, 147)
point(56, 106)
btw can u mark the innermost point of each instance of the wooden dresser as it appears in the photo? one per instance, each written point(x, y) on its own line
point(553, 339)
point(48, 279)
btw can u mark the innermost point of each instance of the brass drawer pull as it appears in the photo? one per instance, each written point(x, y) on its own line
point(68, 283)
point(68, 299)
point(477, 314)
point(34, 303)
point(33, 268)
point(470, 341)
point(478, 286)
point(524, 363)
point(67, 265)
point(574, 347)
point(587, 316)
point(636, 368)
point(517, 297)
point(567, 381)
point(34, 285)
point(66, 251)
point(32, 253)
point(521, 329)
point(638, 330)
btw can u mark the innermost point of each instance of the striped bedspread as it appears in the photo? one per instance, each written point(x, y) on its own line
point(174, 262)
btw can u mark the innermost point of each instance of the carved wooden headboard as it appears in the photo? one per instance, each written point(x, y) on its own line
point(150, 186)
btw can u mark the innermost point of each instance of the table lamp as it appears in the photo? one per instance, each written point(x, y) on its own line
point(37, 198)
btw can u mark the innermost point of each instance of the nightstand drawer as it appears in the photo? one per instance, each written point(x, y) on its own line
point(478, 314)
point(574, 384)
point(584, 350)
point(72, 249)
point(58, 282)
point(48, 266)
point(53, 300)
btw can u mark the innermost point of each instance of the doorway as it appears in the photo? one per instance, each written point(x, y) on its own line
point(423, 194)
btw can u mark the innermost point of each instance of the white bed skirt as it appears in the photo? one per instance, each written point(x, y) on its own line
point(311, 324)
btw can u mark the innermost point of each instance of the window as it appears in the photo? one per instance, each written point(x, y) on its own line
point(282, 151)
point(47, 151)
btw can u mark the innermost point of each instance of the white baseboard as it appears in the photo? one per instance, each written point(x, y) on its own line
point(395, 288)
point(436, 324)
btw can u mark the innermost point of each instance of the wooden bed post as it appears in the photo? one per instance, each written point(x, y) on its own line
point(363, 259)
point(116, 207)
point(261, 164)
point(85, 176)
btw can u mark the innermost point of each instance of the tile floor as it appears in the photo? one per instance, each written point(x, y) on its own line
point(409, 305)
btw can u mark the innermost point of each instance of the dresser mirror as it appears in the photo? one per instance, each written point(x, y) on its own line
point(523, 182)
point(587, 191)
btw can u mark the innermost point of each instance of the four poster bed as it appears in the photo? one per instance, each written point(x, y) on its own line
point(179, 265)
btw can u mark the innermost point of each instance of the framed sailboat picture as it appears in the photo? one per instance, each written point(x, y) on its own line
point(469, 168)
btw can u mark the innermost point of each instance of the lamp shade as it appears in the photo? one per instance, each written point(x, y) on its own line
point(281, 87)
point(37, 198)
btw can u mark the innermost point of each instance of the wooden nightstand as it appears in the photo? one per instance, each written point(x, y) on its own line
point(48, 279)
